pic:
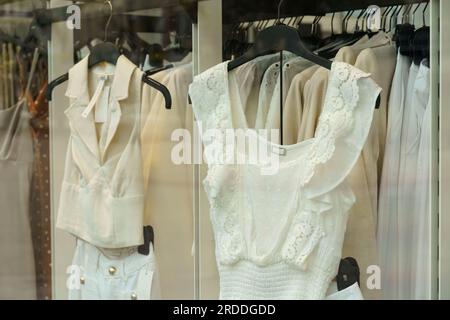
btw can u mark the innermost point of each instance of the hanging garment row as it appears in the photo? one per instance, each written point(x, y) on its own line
point(255, 89)
point(119, 161)
point(256, 97)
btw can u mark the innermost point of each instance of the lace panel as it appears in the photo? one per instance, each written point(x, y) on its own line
point(337, 116)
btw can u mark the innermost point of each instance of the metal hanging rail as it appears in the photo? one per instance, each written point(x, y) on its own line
point(99, 9)
point(243, 11)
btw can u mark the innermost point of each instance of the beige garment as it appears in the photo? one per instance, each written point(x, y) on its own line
point(360, 240)
point(314, 95)
point(315, 88)
point(294, 101)
point(168, 201)
point(103, 175)
point(349, 54)
point(380, 62)
point(295, 106)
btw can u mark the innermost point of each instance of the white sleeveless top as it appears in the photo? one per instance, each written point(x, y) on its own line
point(280, 236)
point(102, 195)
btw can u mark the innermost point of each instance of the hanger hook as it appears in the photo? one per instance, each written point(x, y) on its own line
point(392, 18)
point(344, 30)
point(385, 15)
point(109, 19)
point(279, 10)
point(408, 12)
point(332, 24)
point(348, 19)
point(423, 12)
point(414, 13)
point(357, 20)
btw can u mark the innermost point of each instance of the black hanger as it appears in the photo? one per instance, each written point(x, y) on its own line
point(348, 273)
point(149, 238)
point(108, 52)
point(420, 43)
point(344, 39)
point(110, 56)
point(404, 34)
point(156, 70)
point(384, 17)
point(278, 38)
point(275, 39)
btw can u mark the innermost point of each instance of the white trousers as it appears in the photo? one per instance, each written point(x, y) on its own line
point(111, 274)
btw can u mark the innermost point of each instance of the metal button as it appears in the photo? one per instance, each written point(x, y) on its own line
point(82, 280)
point(112, 270)
point(134, 296)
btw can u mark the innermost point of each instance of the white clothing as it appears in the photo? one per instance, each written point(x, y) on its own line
point(102, 196)
point(111, 274)
point(280, 236)
point(423, 260)
point(387, 206)
point(416, 102)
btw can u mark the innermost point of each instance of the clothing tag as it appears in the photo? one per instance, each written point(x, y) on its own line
point(95, 97)
point(101, 108)
point(279, 150)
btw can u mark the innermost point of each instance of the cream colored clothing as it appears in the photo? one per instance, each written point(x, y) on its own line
point(314, 94)
point(295, 106)
point(168, 201)
point(380, 63)
point(360, 238)
point(314, 91)
point(360, 241)
point(102, 196)
point(265, 256)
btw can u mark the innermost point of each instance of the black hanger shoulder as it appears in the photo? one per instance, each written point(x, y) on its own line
point(275, 39)
point(160, 87)
point(103, 52)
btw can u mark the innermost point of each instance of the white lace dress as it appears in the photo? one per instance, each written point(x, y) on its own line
point(279, 233)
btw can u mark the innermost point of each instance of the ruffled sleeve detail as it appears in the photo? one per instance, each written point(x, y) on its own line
point(342, 129)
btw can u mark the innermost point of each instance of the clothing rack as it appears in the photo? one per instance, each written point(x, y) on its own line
point(250, 11)
point(137, 23)
point(95, 10)
point(235, 11)
point(15, 14)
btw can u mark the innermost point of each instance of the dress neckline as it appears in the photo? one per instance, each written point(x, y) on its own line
point(230, 83)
